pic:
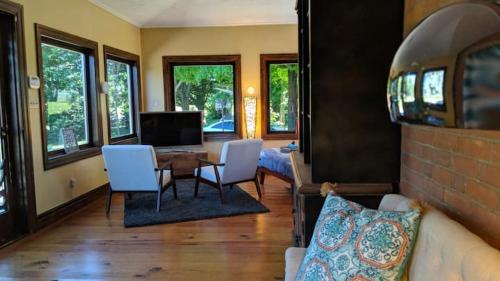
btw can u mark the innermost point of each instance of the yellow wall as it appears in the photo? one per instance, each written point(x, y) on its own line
point(81, 18)
point(84, 19)
point(248, 41)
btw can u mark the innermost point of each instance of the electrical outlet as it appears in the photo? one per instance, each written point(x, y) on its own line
point(72, 183)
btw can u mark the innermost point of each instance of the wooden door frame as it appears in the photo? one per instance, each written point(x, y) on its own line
point(23, 162)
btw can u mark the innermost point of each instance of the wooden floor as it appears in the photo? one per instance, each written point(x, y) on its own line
point(90, 246)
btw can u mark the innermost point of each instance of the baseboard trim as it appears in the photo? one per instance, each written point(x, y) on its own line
point(63, 211)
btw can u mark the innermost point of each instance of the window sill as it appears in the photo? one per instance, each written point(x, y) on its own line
point(63, 159)
point(130, 140)
point(280, 136)
point(221, 137)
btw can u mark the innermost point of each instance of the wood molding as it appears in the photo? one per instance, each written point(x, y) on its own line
point(134, 61)
point(90, 48)
point(24, 156)
point(169, 62)
point(265, 59)
point(74, 205)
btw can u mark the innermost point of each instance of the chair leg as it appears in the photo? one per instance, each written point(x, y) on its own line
point(109, 193)
point(197, 184)
point(262, 177)
point(221, 192)
point(174, 187)
point(158, 201)
point(129, 194)
point(257, 185)
point(219, 185)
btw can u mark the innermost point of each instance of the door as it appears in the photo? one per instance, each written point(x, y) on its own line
point(15, 154)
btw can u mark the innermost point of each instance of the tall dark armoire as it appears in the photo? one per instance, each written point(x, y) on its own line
point(346, 136)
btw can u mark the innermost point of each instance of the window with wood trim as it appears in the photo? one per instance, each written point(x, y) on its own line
point(211, 84)
point(280, 96)
point(122, 71)
point(69, 96)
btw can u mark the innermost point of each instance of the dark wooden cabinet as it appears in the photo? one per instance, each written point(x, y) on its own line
point(345, 52)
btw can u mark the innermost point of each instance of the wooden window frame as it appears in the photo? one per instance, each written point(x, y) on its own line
point(169, 62)
point(90, 48)
point(134, 62)
point(265, 61)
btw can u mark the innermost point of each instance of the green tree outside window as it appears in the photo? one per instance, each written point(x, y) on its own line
point(119, 99)
point(64, 94)
point(207, 88)
point(283, 97)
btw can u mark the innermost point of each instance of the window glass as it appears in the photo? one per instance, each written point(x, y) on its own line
point(409, 80)
point(120, 99)
point(283, 97)
point(400, 95)
point(64, 94)
point(433, 87)
point(207, 88)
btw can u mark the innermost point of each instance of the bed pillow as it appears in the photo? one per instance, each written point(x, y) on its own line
point(353, 243)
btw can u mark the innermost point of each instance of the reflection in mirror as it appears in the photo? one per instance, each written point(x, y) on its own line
point(409, 80)
point(433, 87)
point(400, 96)
point(481, 88)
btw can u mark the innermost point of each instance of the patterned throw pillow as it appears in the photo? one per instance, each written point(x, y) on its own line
point(353, 243)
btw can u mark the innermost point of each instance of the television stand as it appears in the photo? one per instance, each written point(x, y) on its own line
point(184, 159)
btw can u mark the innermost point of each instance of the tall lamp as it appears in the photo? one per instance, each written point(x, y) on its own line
point(250, 103)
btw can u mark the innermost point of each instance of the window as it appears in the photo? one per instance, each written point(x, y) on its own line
point(69, 97)
point(279, 86)
point(124, 94)
point(210, 84)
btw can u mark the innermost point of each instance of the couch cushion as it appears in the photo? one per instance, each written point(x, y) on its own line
point(445, 250)
point(396, 202)
point(351, 242)
point(293, 258)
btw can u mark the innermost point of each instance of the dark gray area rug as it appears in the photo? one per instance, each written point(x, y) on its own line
point(141, 209)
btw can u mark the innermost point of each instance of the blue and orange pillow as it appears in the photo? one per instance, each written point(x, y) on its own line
point(353, 243)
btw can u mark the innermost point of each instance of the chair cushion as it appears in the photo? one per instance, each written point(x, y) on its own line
point(131, 167)
point(445, 250)
point(351, 242)
point(208, 173)
point(241, 158)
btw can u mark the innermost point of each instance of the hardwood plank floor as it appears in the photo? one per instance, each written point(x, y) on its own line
point(91, 246)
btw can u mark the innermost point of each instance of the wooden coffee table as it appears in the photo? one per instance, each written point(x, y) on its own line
point(183, 161)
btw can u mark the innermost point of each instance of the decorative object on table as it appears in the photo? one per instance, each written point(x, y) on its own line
point(351, 242)
point(250, 103)
point(238, 163)
point(289, 147)
point(275, 163)
point(68, 138)
point(292, 146)
point(133, 168)
point(139, 211)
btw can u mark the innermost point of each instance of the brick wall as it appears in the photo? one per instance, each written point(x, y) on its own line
point(457, 171)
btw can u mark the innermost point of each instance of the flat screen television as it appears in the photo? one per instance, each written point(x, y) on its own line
point(171, 128)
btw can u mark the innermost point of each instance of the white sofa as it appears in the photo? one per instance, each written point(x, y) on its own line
point(444, 250)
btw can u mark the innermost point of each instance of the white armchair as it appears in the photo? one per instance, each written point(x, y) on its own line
point(133, 168)
point(238, 163)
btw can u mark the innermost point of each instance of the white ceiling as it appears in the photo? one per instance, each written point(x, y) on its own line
point(182, 13)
